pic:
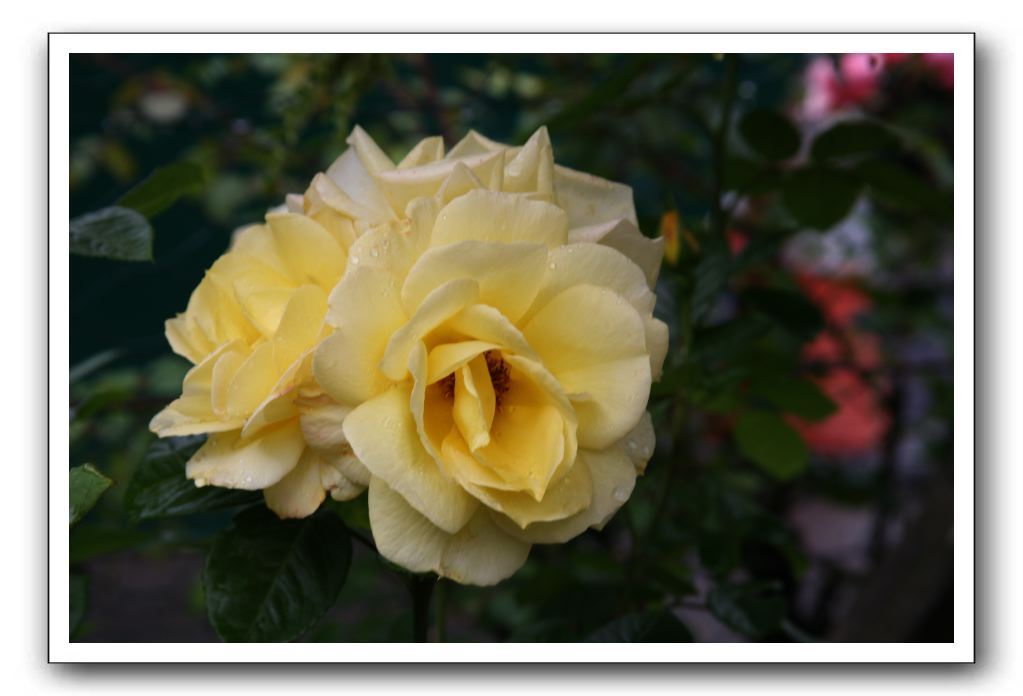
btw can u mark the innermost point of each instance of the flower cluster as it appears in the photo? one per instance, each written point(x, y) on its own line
point(468, 335)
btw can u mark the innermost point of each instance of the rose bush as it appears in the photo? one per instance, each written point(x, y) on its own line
point(483, 367)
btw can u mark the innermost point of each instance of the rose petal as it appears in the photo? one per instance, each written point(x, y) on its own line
point(478, 554)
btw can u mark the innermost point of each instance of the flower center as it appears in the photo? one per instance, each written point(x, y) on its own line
point(500, 377)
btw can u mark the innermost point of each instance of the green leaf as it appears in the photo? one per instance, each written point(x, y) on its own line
point(770, 443)
point(89, 541)
point(747, 176)
point(753, 609)
point(724, 342)
point(163, 187)
point(654, 626)
point(270, 580)
point(78, 591)
point(710, 277)
point(788, 309)
point(819, 197)
point(899, 186)
point(769, 134)
point(87, 485)
point(159, 487)
point(794, 395)
point(851, 139)
point(115, 233)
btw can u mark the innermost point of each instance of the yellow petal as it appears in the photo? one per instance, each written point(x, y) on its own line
point(527, 439)
point(279, 404)
point(508, 275)
point(366, 311)
point(532, 168)
point(590, 200)
point(383, 435)
point(440, 305)
point(564, 498)
point(487, 324)
point(253, 381)
point(478, 554)
point(370, 154)
point(403, 185)
point(308, 250)
point(656, 344)
point(593, 264)
point(322, 424)
point(459, 182)
point(186, 340)
point(426, 150)
point(194, 412)
point(626, 238)
point(474, 144)
point(603, 364)
point(339, 486)
point(301, 325)
point(612, 476)
point(228, 461)
point(326, 203)
point(224, 372)
point(352, 175)
point(448, 357)
point(300, 492)
point(487, 216)
point(256, 245)
point(474, 403)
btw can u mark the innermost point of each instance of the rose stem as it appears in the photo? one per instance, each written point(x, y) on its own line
point(421, 587)
point(442, 607)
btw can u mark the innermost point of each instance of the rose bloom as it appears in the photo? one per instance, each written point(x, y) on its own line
point(492, 368)
point(487, 361)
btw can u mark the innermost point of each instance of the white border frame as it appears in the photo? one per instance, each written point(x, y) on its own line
point(961, 44)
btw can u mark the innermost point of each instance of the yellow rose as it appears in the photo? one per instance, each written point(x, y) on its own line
point(364, 188)
point(250, 328)
point(492, 365)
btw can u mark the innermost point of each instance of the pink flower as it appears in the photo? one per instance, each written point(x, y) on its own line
point(943, 67)
point(855, 83)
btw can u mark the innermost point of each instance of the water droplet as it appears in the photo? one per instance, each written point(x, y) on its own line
point(200, 482)
point(355, 260)
point(620, 494)
point(631, 444)
point(248, 479)
point(552, 266)
point(374, 253)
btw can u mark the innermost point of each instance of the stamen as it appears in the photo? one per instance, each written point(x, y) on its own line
point(447, 386)
point(499, 375)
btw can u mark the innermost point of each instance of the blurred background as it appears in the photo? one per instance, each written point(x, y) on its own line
point(801, 487)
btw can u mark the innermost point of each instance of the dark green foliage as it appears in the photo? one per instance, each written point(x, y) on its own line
point(270, 580)
point(819, 197)
point(754, 609)
point(87, 485)
point(115, 233)
point(769, 134)
point(852, 139)
point(771, 443)
point(162, 188)
point(793, 395)
point(160, 488)
point(78, 591)
point(655, 626)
